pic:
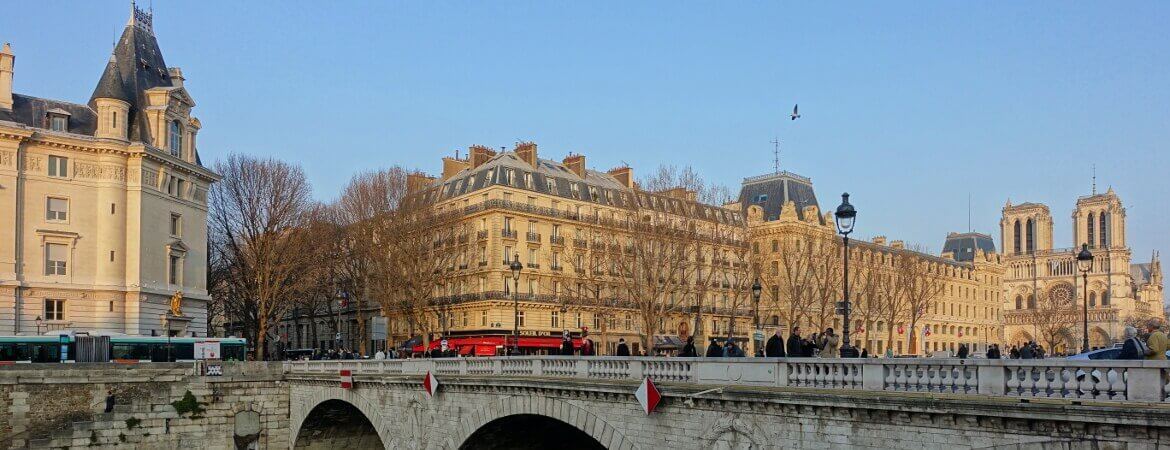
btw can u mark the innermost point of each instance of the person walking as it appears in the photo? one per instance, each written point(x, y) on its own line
point(110, 401)
point(1157, 342)
point(1014, 353)
point(775, 346)
point(889, 352)
point(1133, 348)
point(566, 343)
point(622, 348)
point(829, 344)
point(586, 343)
point(688, 350)
point(731, 350)
point(713, 349)
point(993, 352)
point(865, 353)
point(795, 349)
point(1026, 352)
point(963, 351)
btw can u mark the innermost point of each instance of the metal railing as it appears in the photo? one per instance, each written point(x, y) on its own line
point(1144, 381)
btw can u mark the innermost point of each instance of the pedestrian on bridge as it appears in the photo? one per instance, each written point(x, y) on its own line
point(622, 348)
point(795, 348)
point(829, 344)
point(713, 349)
point(1157, 341)
point(730, 350)
point(775, 346)
point(566, 343)
point(688, 350)
point(586, 343)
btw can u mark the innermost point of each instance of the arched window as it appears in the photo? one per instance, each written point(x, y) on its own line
point(1016, 236)
point(1031, 301)
point(1092, 236)
point(1031, 236)
point(1019, 302)
point(1105, 298)
point(1092, 299)
point(176, 139)
point(1104, 228)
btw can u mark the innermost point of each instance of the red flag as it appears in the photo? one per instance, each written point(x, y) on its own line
point(648, 395)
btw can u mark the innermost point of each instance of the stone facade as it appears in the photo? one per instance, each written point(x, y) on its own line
point(1041, 278)
point(50, 406)
point(104, 204)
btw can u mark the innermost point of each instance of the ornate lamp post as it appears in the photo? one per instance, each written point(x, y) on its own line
point(39, 321)
point(845, 216)
point(756, 334)
point(1085, 262)
point(516, 267)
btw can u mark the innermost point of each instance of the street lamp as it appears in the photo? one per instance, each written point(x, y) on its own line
point(39, 321)
point(1085, 261)
point(516, 267)
point(845, 216)
point(757, 336)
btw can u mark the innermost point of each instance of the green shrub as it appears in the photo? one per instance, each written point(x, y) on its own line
point(188, 404)
point(132, 423)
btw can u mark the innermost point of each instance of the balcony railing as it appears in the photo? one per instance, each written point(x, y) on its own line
point(580, 243)
point(557, 268)
point(508, 234)
point(532, 265)
point(533, 237)
point(557, 240)
point(481, 235)
point(482, 263)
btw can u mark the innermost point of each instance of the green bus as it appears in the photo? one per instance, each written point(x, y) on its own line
point(63, 347)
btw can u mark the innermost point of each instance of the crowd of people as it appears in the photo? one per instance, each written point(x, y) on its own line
point(1152, 344)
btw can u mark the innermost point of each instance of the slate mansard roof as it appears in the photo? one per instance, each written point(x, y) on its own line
point(965, 245)
point(609, 191)
point(135, 66)
point(772, 191)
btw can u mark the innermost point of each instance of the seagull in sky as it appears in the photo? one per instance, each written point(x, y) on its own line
point(795, 112)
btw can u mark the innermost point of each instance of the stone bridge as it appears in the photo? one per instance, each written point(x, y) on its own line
point(750, 403)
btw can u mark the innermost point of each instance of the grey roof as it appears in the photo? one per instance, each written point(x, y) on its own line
point(771, 192)
point(964, 245)
point(34, 112)
point(609, 191)
point(1140, 272)
point(136, 65)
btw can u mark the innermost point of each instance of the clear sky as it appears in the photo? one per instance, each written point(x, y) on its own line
point(911, 107)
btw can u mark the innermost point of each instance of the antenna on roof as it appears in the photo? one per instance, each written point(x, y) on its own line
point(1094, 179)
point(969, 229)
point(776, 154)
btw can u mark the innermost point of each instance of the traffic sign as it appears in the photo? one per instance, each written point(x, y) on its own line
point(758, 335)
point(431, 384)
point(648, 395)
point(346, 379)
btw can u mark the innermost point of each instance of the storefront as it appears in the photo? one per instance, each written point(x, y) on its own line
point(499, 345)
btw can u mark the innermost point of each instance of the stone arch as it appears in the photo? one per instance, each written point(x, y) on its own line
point(322, 394)
point(563, 411)
point(1099, 338)
point(1020, 337)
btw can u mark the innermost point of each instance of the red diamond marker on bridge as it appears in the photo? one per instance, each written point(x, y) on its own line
point(648, 395)
point(346, 379)
point(431, 384)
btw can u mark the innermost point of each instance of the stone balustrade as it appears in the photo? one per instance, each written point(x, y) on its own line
point(1144, 381)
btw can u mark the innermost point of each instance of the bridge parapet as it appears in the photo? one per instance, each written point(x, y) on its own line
point(1144, 381)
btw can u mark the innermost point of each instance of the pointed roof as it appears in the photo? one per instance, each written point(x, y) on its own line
point(138, 62)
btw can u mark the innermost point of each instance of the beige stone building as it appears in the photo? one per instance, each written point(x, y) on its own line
point(785, 219)
point(1119, 290)
point(558, 216)
point(104, 204)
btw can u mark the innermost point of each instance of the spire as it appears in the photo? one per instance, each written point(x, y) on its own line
point(141, 19)
point(111, 84)
point(136, 65)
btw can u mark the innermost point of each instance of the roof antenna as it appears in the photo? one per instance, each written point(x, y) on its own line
point(1094, 179)
point(776, 154)
point(969, 229)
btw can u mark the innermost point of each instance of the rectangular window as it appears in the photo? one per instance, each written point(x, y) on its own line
point(57, 209)
point(58, 166)
point(176, 269)
point(176, 225)
point(507, 223)
point(113, 208)
point(58, 123)
point(55, 259)
point(54, 309)
point(111, 256)
point(507, 255)
point(556, 320)
point(483, 318)
point(520, 315)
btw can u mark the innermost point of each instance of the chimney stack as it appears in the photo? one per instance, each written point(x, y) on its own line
point(479, 154)
point(898, 244)
point(7, 62)
point(452, 166)
point(879, 240)
point(176, 76)
point(417, 181)
point(526, 151)
point(576, 164)
point(624, 175)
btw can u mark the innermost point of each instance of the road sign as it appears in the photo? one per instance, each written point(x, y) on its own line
point(431, 384)
point(648, 395)
point(346, 379)
point(758, 335)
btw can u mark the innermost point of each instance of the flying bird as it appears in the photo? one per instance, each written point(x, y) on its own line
point(795, 112)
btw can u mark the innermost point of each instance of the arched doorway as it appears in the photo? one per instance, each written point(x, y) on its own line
point(529, 431)
point(337, 424)
point(1098, 338)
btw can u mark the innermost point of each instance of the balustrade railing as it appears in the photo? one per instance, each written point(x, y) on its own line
point(1145, 381)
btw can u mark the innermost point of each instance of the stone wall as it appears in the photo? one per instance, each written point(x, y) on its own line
point(61, 406)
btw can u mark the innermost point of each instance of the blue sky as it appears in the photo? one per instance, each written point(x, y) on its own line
point(910, 106)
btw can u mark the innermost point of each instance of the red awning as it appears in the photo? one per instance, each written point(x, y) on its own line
point(481, 343)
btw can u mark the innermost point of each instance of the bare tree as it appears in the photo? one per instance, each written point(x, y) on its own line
point(257, 224)
point(589, 258)
point(922, 283)
point(827, 281)
point(1053, 316)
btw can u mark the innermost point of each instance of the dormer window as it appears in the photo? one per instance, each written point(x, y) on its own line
point(58, 119)
point(176, 138)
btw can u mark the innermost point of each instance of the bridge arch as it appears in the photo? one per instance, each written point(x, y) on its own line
point(327, 401)
point(561, 411)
